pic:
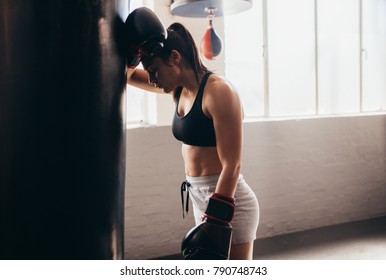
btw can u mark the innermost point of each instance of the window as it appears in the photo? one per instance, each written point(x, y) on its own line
point(244, 60)
point(300, 58)
point(321, 57)
point(338, 56)
point(374, 55)
point(291, 57)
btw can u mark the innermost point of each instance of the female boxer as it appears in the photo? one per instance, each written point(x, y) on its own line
point(208, 122)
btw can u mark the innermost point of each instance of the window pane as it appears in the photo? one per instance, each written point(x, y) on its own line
point(243, 57)
point(374, 55)
point(135, 105)
point(291, 57)
point(135, 97)
point(338, 56)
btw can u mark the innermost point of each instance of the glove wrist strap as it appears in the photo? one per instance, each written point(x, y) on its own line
point(220, 208)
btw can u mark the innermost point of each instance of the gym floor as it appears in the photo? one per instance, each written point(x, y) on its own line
point(363, 240)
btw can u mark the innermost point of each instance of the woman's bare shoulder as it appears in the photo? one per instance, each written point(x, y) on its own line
point(220, 87)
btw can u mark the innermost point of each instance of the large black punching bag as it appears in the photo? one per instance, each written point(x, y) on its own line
point(62, 149)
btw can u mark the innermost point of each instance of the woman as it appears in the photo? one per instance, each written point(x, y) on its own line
point(212, 142)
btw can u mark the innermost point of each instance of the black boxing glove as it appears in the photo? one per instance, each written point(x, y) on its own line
point(211, 239)
point(145, 35)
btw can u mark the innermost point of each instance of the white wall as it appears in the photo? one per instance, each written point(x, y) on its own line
point(306, 173)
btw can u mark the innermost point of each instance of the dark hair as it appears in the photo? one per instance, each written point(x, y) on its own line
point(180, 39)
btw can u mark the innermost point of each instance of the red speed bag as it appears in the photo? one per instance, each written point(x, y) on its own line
point(211, 44)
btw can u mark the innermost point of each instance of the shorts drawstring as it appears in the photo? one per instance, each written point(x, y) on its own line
point(185, 188)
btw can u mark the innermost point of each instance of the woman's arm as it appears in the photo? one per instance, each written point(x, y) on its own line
point(224, 106)
point(140, 78)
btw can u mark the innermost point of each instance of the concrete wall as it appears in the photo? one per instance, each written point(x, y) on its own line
point(306, 173)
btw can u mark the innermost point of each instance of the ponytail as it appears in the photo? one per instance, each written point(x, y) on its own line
point(180, 39)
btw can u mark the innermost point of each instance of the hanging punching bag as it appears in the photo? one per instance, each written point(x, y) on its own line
point(62, 145)
point(211, 44)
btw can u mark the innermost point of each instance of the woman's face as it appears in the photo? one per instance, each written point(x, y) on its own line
point(162, 74)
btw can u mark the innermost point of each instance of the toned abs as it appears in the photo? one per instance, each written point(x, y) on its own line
point(201, 161)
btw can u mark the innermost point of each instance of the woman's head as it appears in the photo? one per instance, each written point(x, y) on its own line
point(179, 42)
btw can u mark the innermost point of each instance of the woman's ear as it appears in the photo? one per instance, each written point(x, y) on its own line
point(174, 57)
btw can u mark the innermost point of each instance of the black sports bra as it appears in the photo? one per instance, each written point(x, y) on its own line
point(195, 128)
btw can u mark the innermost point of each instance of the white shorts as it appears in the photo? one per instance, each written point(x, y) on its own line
point(246, 216)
